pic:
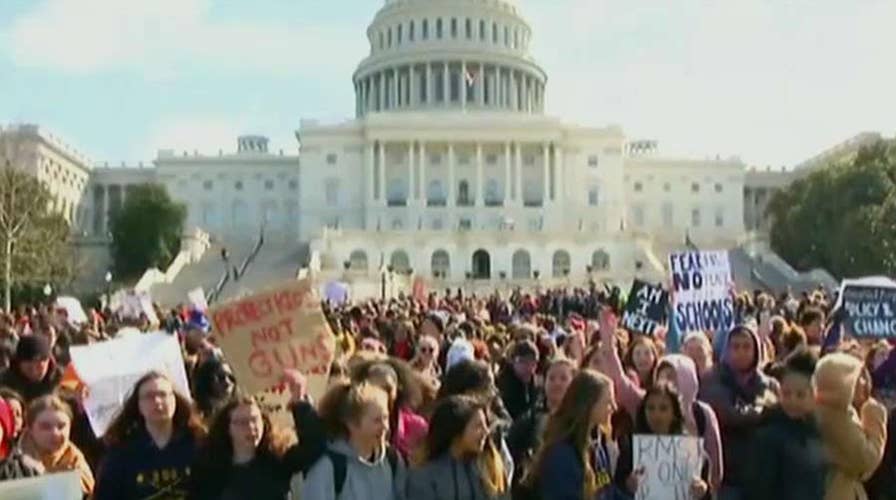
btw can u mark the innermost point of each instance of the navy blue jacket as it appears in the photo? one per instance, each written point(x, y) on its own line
point(138, 469)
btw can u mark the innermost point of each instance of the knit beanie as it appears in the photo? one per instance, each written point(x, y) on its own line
point(32, 348)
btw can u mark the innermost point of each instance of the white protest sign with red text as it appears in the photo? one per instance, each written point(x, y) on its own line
point(271, 331)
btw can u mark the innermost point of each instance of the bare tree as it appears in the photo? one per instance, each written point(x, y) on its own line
point(34, 241)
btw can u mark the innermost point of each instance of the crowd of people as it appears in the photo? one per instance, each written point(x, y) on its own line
point(459, 397)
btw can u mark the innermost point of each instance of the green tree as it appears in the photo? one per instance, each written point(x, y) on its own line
point(35, 246)
point(146, 232)
point(842, 217)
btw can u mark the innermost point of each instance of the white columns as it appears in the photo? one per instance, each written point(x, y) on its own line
point(422, 162)
point(560, 173)
point(446, 92)
point(508, 191)
point(411, 185)
point(480, 85)
point(381, 91)
point(480, 187)
point(395, 89)
point(382, 174)
point(429, 86)
point(412, 86)
point(514, 92)
point(371, 172)
point(546, 168)
point(518, 159)
point(463, 84)
point(452, 198)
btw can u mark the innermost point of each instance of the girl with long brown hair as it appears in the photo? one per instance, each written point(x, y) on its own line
point(152, 444)
point(574, 459)
point(459, 459)
point(246, 455)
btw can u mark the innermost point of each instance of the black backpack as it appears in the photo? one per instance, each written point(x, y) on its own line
point(340, 467)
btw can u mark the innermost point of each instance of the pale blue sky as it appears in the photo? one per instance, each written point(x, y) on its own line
point(773, 81)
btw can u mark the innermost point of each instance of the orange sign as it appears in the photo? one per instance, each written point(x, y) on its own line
point(269, 332)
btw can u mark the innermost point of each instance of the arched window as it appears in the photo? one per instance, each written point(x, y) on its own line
point(439, 28)
point(482, 36)
point(358, 261)
point(389, 38)
point(561, 264)
point(600, 260)
point(399, 34)
point(494, 35)
point(441, 263)
point(400, 262)
point(424, 29)
point(492, 196)
point(522, 265)
point(411, 32)
point(397, 193)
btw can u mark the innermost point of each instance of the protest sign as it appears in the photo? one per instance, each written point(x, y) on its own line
point(110, 369)
point(645, 310)
point(264, 334)
point(58, 486)
point(869, 308)
point(336, 292)
point(74, 313)
point(701, 284)
point(671, 463)
point(132, 304)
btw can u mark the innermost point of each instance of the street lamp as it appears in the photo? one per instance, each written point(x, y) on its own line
point(108, 280)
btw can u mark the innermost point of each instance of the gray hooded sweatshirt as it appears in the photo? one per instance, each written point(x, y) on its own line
point(364, 480)
point(448, 479)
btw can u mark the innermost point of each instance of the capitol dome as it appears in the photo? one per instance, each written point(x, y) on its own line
point(449, 54)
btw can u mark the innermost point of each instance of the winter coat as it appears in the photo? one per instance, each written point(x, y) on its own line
point(882, 485)
point(446, 478)
point(517, 395)
point(854, 442)
point(364, 479)
point(139, 469)
point(18, 465)
point(13, 379)
point(69, 458)
point(790, 459)
point(562, 473)
point(739, 403)
point(410, 431)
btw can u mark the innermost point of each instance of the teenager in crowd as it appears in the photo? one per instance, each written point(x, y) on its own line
point(425, 361)
point(459, 461)
point(790, 460)
point(47, 439)
point(516, 381)
point(696, 346)
point(33, 372)
point(152, 444)
point(213, 385)
point(401, 383)
point(739, 392)
point(660, 413)
point(526, 432)
point(17, 405)
point(359, 464)
point(679, 371)
point(640, 360)
point(14, 464)
point(854, 440)
point(574, 461)
point(246, 456)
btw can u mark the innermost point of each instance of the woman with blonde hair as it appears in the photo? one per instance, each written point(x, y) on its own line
point(358, 464)
point(574, 458)
point(47, 428)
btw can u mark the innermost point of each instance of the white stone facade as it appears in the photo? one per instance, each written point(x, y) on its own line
point(450, 168)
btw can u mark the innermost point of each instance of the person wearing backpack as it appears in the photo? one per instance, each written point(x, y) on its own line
point(358, 463)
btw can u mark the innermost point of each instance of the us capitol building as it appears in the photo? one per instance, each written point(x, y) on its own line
point(450, 168)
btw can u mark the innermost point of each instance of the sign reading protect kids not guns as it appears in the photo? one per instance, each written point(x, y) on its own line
point(269, 332)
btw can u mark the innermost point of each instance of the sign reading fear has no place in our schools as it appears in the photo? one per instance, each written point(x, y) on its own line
point(701, 287)
point(266, 333)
